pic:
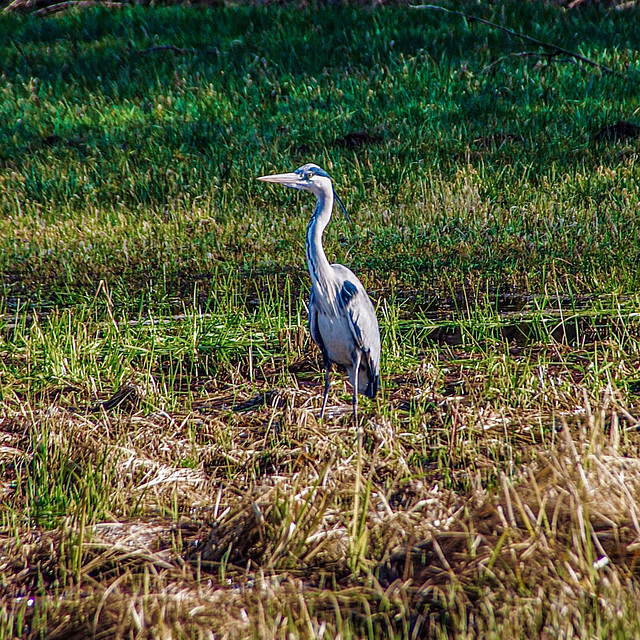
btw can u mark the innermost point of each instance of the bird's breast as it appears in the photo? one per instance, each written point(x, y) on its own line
point(336, 336)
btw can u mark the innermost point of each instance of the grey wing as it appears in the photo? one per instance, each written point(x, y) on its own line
point(313, 327)
point(364, 328)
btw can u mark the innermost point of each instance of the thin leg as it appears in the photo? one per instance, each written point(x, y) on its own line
point(355, 386)
point(327, 382)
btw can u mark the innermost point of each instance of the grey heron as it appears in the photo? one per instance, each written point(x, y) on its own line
point(342, 319)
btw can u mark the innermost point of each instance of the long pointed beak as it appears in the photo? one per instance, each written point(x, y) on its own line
point(287, 179)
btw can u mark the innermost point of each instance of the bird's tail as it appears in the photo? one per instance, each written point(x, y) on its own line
point(368, 379)
point(373, 384)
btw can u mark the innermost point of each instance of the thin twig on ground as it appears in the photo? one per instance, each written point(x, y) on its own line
point(173, 49)
point(551, 48)
point(78, 4)
point(167, 47)
point(550, 57)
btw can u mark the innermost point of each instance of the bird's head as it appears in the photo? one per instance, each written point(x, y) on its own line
point(308, 177)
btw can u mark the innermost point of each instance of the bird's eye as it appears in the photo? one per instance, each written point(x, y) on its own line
point(308, 175)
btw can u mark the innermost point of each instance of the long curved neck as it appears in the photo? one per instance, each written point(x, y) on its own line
point(319, 267)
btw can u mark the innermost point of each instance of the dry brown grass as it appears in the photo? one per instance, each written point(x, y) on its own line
point(307, 537)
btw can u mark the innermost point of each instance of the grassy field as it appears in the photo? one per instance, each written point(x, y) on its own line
point(165, 473)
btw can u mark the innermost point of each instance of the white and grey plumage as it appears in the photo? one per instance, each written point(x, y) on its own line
point(342, 319)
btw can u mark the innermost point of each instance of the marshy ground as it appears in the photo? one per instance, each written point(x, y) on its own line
point(164, 470)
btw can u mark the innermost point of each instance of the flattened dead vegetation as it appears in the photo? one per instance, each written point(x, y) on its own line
point(280, 526)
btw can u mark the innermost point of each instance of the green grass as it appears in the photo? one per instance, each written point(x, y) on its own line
point(164, 472)
point(134, 166)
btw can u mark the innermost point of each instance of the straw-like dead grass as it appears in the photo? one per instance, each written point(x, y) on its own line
point(554, 553)
point(308, 536)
